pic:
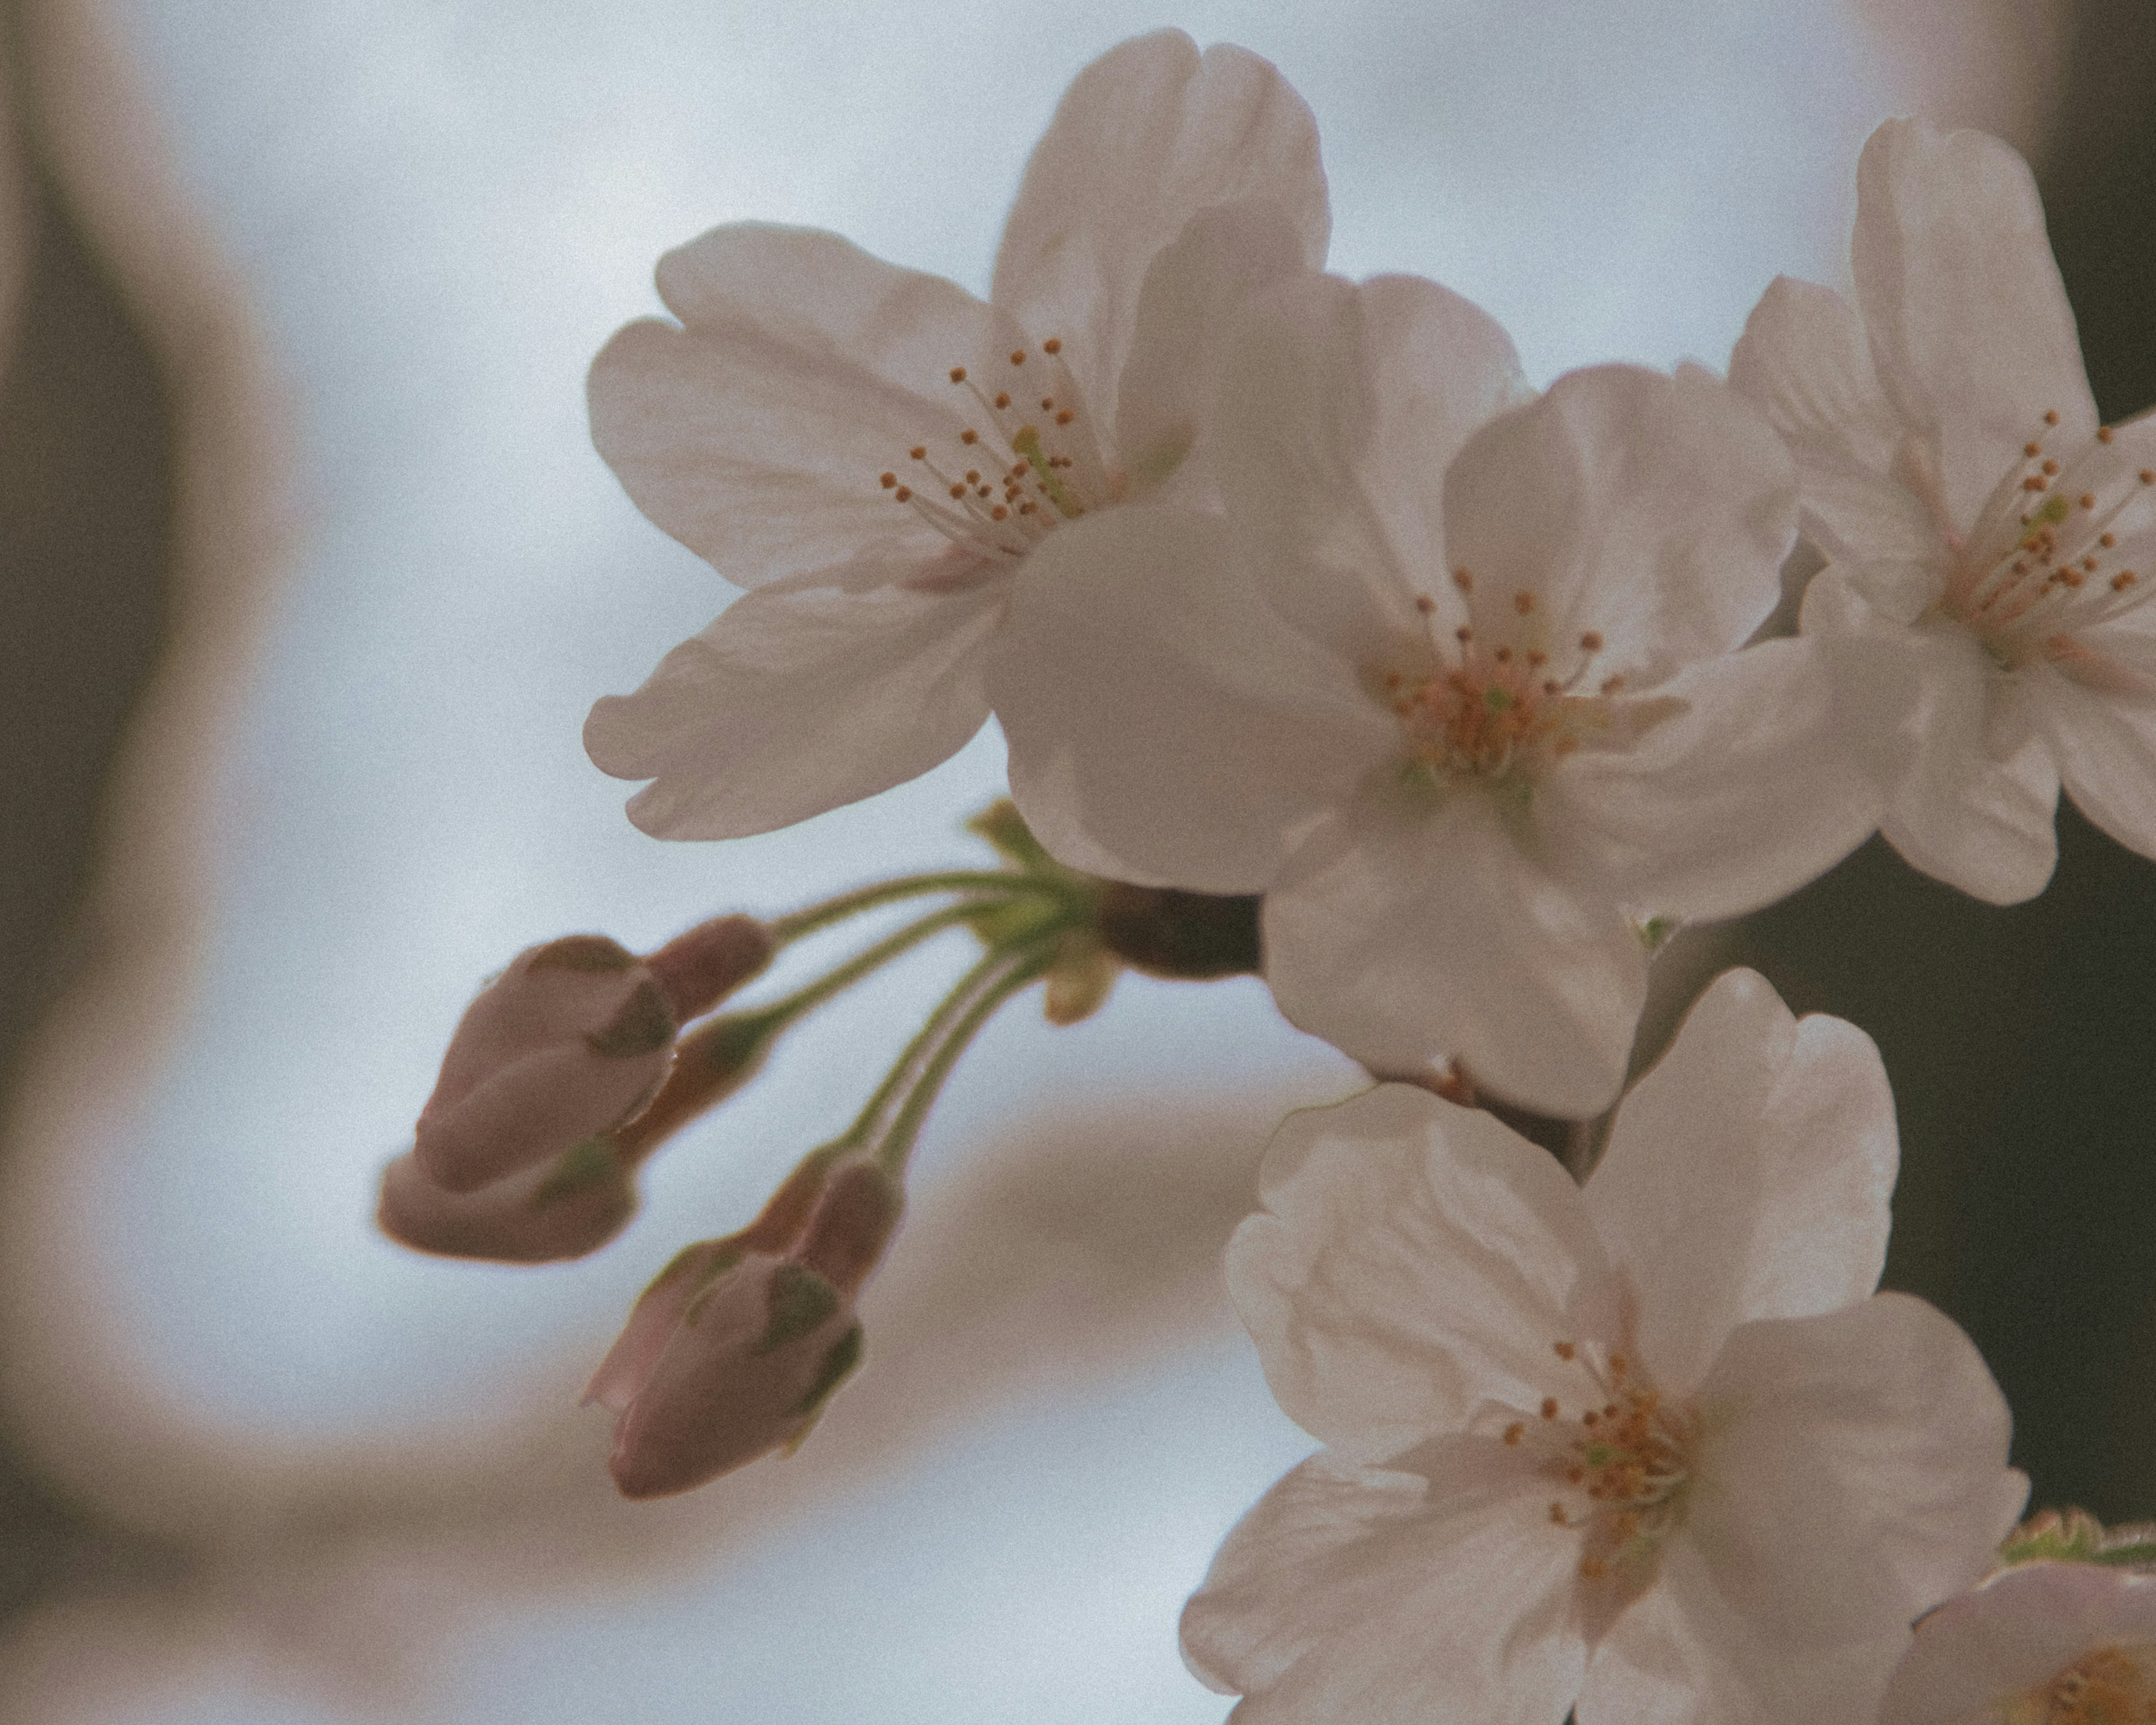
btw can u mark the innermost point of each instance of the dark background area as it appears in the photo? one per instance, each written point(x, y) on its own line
point(2021, 1043)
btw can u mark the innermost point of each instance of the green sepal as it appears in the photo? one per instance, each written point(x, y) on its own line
point(2074, 1536)
point(578, 1168)
point(594, 953)
point(839, 1361)
point(800, 1300)
point(643, 1025)
point(1003, 827)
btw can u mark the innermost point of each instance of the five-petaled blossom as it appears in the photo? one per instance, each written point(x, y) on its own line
point(1652, 1448)
point(1991, 544)
point(876, 452)
point(1452, 679)
point(2042, 1644)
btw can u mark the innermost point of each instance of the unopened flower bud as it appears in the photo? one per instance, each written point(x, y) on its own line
point(571, 1206)
point(735, 1346)
point(570, 1040)
point(699, 968)
point(725, 1358)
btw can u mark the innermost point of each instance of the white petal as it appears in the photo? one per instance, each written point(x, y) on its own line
point(1804, 361)
point(2015, 1634)
point(1748, 1176)
point(1954, 810)
point(1414, 1260)
point(1186, 314)
point(1160, 717)
point(1748, 791)
point(1348, 1597)
point(1655, 512)
point(1854, 1473)
point(756, 433)
point(2105, 747)
point(797, 699)
point(1403, 933)
point(1682, 1656)
point(1970, 328)
point(1341, 407)
point(1147, 135)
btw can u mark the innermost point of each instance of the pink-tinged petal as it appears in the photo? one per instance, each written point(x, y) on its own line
point(568, 1041)
point(1652, 511)
point(1803, 360)
point(1992, 1645)
point(804, 369)
point(2104, 740)
point(543, 1216)
point(797, 699)
point(1853, 1473)
point(1407, 932)
point(1186, 315)
point(658, 1312)
point(1684, 1655)
point(1955, 809)
point(1748, 791)
point(1348, 1596)
point(1340, 410)
point(1414, 1260)
point(1970, 329)
point(1146, 136)
point(1748, 1176)
point(1160, 717)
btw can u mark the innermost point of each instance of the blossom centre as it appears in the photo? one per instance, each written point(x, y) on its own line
point(1621, 1461)
point(1501, 711)
point(2111, 1685)
point(2041, 563)
point(1030, 462)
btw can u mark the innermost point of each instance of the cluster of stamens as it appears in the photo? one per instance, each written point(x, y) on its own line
point(2109, 1686)
point(2039, 564)
point(1043, 466)
point(1623, 1457)
point(1500, 708)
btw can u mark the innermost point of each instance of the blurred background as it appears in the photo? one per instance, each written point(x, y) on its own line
point(308, 575)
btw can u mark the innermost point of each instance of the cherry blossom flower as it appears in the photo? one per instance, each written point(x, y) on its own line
point(1991, 545)
point(1652, 1448)
point(876, 452)
point(1450, 679)
point(2042, 1644)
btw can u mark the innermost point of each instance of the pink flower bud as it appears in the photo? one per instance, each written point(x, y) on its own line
point(699, 968)
point(735, 1346)
point(720, 1365)
point(572, 1206)
point(569, 1040)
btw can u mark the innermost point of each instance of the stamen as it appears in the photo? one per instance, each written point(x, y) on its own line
point(1053, 344)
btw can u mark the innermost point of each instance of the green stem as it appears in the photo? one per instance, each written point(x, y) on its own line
point(870, 959)
point(989, 985)
point(884, 892)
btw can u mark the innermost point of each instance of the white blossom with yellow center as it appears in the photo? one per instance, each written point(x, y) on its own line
point(1452, 678)
point(875, 452)
point(2043, 1643)
point(1992, 546)
point(1648, 1449)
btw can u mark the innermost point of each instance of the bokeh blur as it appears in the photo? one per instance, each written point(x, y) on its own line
point(308, 574)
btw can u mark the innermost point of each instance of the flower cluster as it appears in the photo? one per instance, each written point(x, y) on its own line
point(1325, 648)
